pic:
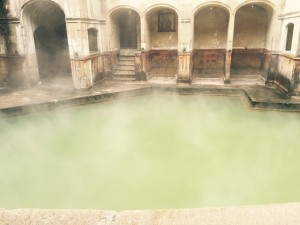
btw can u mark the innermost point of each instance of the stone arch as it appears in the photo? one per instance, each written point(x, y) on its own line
point(210, 27)
point(161, 39)
point(44, 23)
point(266, 4)
point(125, 22)
point(32, 1)
point(157, 36)
point(212, 4)
point(160, 6)
point(252, 32)
point(123, 7)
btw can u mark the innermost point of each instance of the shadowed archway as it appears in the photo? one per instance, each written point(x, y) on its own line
point(126, 29)
point(251, 40)
point(47, 38)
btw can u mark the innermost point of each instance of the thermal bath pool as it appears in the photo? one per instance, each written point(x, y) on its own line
point(148, 152)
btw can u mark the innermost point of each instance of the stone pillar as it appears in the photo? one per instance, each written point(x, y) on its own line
point(185, 47)
point(13, 59)
point(107, 64)
point(143, 34)
point(79, 50)
point(81, 73)
point(140, 73)
point(104, 42)
point(230, 34)
point(276, 29)
point(184, 68)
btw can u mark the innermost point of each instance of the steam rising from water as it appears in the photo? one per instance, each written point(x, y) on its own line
point(159, 151)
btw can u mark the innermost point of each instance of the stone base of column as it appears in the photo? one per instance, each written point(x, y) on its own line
point(226, 81)
point(184, 80)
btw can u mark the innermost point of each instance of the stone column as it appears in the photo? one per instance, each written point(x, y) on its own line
point(230, 34)
point(185, 43)
point(13, 57)
point(79, 50)
point(143, 34)
point(276, 29)
point(140, 72)
point(184, 67)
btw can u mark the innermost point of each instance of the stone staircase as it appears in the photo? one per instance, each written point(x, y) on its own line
point(125, 69)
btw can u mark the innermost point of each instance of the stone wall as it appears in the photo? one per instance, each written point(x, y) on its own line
point(3, 70)
point(247, 61)
point(210, 28)
point(208, 62)
point(162, 40)
point(162, 62)
point(285, 72)
point(87, 71)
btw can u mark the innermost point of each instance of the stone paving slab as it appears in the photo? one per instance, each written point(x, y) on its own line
point(55, 217)
point(281, 214)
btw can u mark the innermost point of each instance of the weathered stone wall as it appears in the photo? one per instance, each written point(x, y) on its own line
point(162, 40)
point(210, 28)
point(3, 70)
point(247, 61)
point(266, 67)
point(87, 71)
point(250, 29)
point(11, 53)
point(163, 62)
point(208, 62)
point(285, 71)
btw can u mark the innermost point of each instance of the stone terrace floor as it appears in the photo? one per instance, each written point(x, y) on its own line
point(260, 97)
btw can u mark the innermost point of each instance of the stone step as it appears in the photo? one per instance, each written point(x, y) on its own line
point(125, 72)
point(125, 67)
point(125, 63)
point(123, 79)
point(126, 58)
point(254, 76)
point(128, 51)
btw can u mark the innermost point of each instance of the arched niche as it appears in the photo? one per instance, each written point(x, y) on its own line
point(126, 29)
point(251, 36)
point(210, 40)
point(47, 42)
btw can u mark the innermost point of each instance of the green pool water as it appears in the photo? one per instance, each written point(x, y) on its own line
point(149, 152)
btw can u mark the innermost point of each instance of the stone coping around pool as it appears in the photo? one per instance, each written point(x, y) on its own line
point(258, 97)
point(281, 214)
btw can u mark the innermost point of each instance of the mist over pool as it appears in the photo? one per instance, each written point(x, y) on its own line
point(149, 152)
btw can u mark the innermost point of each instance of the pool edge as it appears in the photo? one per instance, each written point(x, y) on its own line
point(244, 92)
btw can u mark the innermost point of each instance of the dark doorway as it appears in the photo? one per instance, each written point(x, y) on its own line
point(52, 49)
point(44, 50)
point(128, 30)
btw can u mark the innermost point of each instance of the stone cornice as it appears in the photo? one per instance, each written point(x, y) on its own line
point(85, 20)
point(289, 15)
point(10, 20)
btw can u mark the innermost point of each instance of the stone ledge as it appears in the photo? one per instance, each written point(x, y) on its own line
point(287, 214)
point(257, 96)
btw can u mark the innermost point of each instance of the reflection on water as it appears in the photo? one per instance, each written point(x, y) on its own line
point(159, 151)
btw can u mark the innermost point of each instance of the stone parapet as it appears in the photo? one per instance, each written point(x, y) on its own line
point(287, 214)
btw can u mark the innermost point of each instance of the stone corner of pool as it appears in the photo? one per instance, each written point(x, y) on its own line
point(273, 214)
